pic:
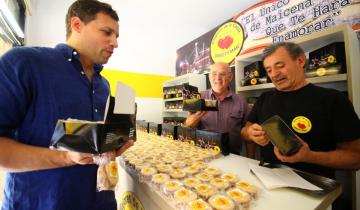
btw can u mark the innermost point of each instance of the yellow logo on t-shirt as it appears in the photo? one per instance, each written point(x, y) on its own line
point(301, 124)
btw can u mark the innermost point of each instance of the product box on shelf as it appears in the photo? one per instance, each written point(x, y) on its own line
point(193, 102)
point(186, 134)
point(178, 91)
point(142, 125)
point(179, 121)
point(327, 60)
point(217, 141)
point(173, 105)
point(169, 92)
point(169, 131)
point(155, 128)
point(254, 74)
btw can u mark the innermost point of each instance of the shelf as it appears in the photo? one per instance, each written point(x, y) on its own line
point(173, 110)
point(314, 80)
point(330, 78)
point(174, 99)
point(198, 80)
point(308, 43)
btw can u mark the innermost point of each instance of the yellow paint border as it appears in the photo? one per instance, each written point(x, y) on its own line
point(145, 85)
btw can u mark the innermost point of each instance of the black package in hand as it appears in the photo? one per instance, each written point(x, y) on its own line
point(281, 135)
point(103, 136)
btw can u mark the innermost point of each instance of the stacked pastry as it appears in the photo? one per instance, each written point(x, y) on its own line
point(180, 173)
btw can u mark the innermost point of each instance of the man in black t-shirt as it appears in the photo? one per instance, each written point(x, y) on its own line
point(323, 118)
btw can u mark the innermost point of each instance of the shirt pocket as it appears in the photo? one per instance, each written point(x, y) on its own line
point(236, 119)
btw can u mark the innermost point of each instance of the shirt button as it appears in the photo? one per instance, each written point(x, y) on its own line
point(74, 53)
point(69, 59)
point(93, 91)
point(96, 110)
point(82, 72)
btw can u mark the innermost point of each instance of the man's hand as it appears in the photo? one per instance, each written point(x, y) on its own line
point(79, 158)
point(302, 155)
point(122, 149)
point(256, 133)
point(193, 119)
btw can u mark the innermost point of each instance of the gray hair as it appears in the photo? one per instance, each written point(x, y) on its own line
point(293, 49)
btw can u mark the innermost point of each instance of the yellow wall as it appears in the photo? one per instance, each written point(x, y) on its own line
point(145, 85)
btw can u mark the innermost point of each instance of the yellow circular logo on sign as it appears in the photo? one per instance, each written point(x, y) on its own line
point(129, 201)
point(227, 42)
point(301, 124)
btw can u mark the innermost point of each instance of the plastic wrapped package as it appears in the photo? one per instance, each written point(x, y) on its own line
point(241, 198)
point(198, 204)
point(183, 196)
point(249, 188)
point(221, 202)
point(205, 190)
point(107, 176)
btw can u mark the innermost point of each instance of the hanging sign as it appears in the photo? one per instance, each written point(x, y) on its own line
point(227, 42)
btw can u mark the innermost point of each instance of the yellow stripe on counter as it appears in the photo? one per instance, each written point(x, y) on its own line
point(145, 85)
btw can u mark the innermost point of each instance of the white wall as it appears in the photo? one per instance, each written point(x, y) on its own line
point(145, 46)
point(150, 33)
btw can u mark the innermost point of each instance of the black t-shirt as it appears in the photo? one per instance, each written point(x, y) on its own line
point(320, 116)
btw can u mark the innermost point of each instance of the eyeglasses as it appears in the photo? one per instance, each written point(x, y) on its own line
point(220, 74)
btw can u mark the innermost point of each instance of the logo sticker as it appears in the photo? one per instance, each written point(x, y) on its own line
point(321, 71)
point(129, 201)
point(301, 124)
point(227, 42)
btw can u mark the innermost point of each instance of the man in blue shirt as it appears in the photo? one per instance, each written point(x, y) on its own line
point(41, 85)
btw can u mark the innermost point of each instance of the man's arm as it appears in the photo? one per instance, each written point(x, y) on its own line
point(193, 119)
point(18, 157)
point(346, 156)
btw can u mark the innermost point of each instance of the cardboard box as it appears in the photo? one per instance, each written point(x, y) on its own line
point(169, 131)
point(327, 60)
point(254, 74)
point(186, 134)
point(212, 140)
point(194, 105)
point(155, 128)
point(142, 125)
point(178, 91)
point(99, 137)
point(179, 121)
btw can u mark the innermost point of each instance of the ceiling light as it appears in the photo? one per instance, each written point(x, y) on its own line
point(10, 19)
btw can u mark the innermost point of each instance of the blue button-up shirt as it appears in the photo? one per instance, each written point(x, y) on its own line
point(38, 86)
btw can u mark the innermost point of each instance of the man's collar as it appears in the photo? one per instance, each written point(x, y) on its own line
point(71, 54)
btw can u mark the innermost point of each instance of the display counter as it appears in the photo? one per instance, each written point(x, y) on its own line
point(281, 198)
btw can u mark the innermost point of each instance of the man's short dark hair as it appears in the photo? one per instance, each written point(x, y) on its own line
point(293, 49)
point(87, 10)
